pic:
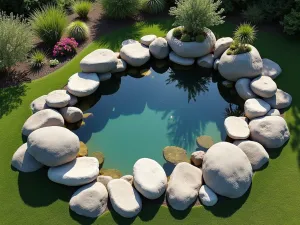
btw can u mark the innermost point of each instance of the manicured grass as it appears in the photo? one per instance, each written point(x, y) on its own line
point(32, 199)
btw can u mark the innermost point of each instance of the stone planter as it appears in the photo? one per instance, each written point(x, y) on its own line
point(192, 49)
point(234, 67)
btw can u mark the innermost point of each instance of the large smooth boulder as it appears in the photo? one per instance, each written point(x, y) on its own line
point(180, 60)
point(124, 199)
point(273, 112)
point(150, 178)
point(39, 104)
point(135, 54)
point(221, 46)
point(255, 152)
point(129, 42)
point(270, 131)
point(271, 69)
point(73, 101)
point(43, 118)
point(159, 48)
point(99, 61)
point(71, 114)
point(192, 49)
point(121, 66)
point(227, 170)
point(264, 86)
point(58, 99)
point(23, 161)
point(82, 170)
point(207, 196)
point(183, 186)
point(236, 128)
point(148, 39)
point(128, 178)
point(280, 100)
point(104, 76)
point(53, 146)
point(206, 61)
point(89, 200)
point(83, 84)
point(246, 65)
point(256, 107)
point(242, 87)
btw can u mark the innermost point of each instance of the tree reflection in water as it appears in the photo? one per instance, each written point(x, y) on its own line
point(233, 110)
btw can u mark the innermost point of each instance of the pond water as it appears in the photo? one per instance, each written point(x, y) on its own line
point(136, 116)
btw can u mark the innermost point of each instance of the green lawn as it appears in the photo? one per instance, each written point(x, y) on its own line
point(273, 199)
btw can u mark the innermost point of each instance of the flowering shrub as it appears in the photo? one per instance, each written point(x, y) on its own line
point(65, 47)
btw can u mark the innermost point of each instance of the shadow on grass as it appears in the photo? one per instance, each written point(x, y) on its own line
point(118, 218)
point(151, 208)
point(81, 219)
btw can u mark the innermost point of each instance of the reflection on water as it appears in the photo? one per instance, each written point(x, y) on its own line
point(136, 115)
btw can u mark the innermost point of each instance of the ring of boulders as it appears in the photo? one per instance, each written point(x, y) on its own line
point(224, 169)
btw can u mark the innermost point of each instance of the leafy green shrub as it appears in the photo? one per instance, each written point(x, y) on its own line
point(254, 14)
point(185, 38)
point(15, 40)
point(82, 8)
point(49, 24)
point(64, 4)
point(78, 30)
point(195, 15)
point(37, 59)
point(200, 38)
point(177, 32)
point(275, 9)
point(291, 22)
point(154, 6)
point(121, 9)
point(53, 62)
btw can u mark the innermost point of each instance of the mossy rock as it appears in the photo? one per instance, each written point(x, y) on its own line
point(205, 141)
point(83, 150)
point(145, 72)
point(87, 115)
point(175, 155)
point(114, 173)
point(99, 156)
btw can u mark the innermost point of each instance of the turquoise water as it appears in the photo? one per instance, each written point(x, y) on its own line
point(137, 117)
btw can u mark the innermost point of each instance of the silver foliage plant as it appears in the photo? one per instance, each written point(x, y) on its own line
point(196, 15)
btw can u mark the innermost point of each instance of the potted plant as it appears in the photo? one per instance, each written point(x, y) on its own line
point(192, 38)
point(241, 59)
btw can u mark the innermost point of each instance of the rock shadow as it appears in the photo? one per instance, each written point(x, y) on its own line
point(81, 219)
point(151, 207)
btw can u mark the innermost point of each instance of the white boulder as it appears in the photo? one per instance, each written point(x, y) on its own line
point(271, 69)
point(270, 131)
point(227, 170)
point(129, 42)
point(150, 178)
point(83, 84)
point(99, 61)
point(104, 179)
point(180, 60)
point(71, 114)
point(82, 170)
point(39, 104)
point(236, 128)
point(58, 99)
point(73, 101)
point(23, 161)
point(159, 48)
point(280, 100)
point(264, 86)
point(128, 178)
point(125, 200)
point(104, 76)
point(148, 39)
point(43, 118)
point(183, 186)
point(255, 152)
point(135, 54)
point(256, 107)
point(206, 61)
point(246, 65)
point(221, 46)
point(273, 112)
point(121, 66)
point(53, 146)
point(192, 49)
point(242, 87)
point(207, 196)
point(197, 157)
point(90, 200)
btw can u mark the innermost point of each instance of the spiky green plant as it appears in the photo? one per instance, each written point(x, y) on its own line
point(49, 23)
point(78, 30)
point(119, 9)
point(154, 6)
point(37, 59)
point(244, 34)
point(82, 8)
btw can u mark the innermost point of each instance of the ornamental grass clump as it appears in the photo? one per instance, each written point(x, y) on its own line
point(37, 59)
point(15, 40)
point(119, 9)
point(82, 8)
point(153, 6)
point(65, 47)
point(78, 30)
point(196, 15)
point(244, 35)
point(49, 23)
